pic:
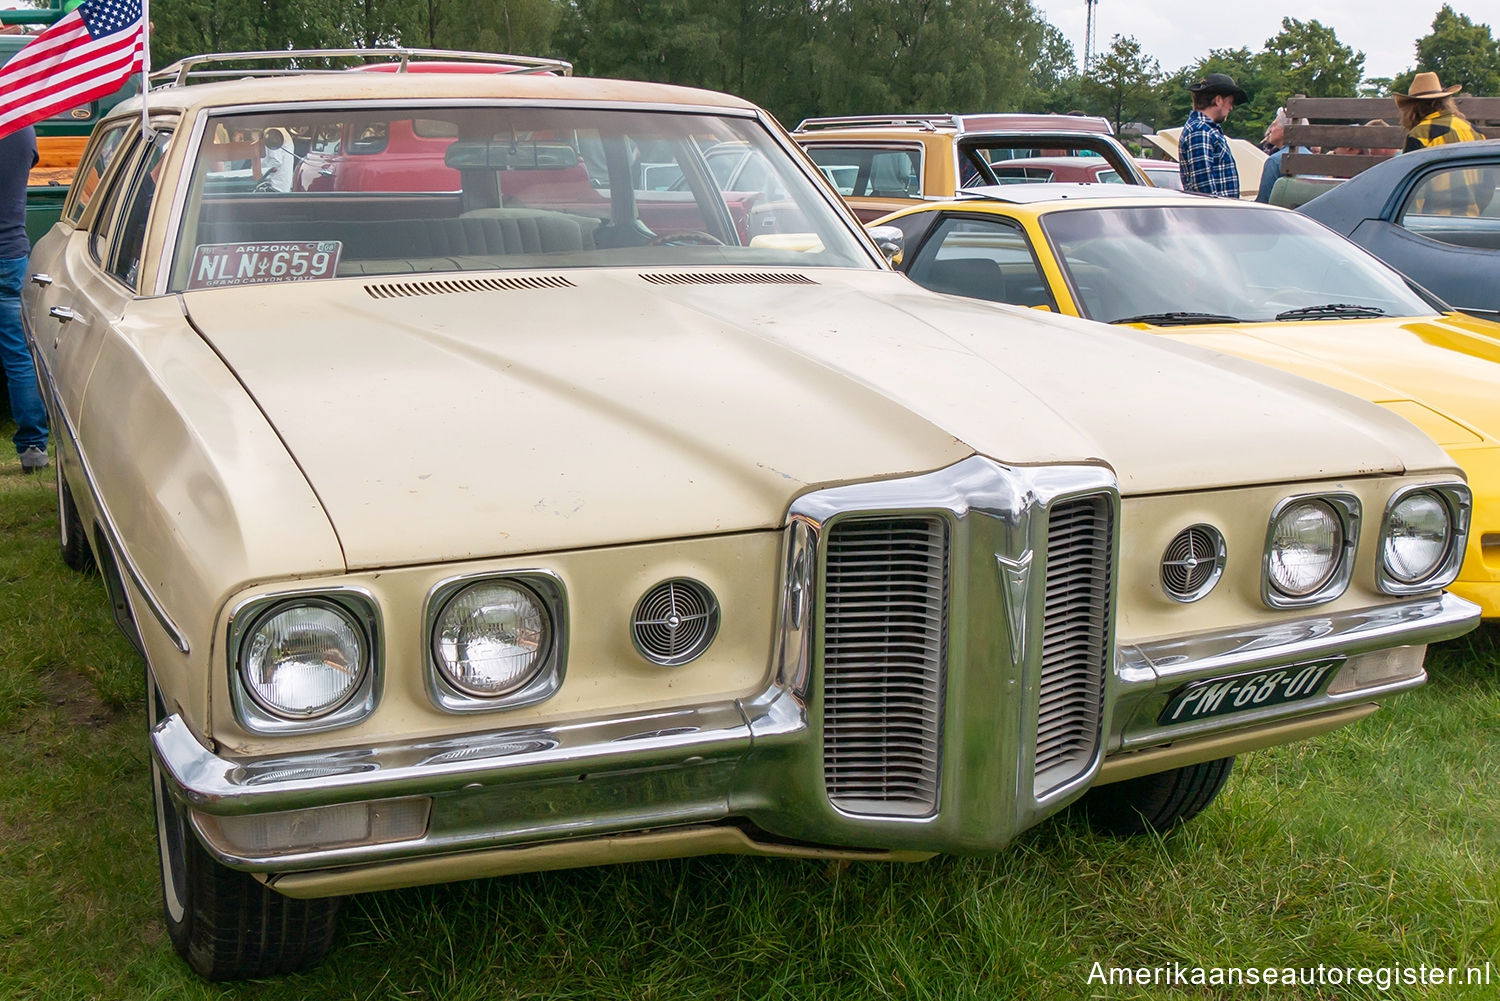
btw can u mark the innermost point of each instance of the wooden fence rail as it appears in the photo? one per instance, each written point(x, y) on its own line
point(1338, 123)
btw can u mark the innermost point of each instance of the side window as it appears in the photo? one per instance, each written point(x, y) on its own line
point(102, 230)
point(91, 171)
point(871, 170)
point(982, 258)
point(1457, 205)
point(128, 248)
point(894, 174)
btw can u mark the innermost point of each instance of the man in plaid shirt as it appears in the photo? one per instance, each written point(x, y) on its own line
point(1207, 164)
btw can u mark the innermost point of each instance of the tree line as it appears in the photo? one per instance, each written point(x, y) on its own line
point(799, 58)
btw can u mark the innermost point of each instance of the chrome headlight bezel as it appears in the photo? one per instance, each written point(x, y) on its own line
point(548, 589)
point(1347, 509)
point(1460, 503)
point(256, 717)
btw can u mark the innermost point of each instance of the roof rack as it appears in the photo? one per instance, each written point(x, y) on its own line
point(929, 122)
point(191, 69)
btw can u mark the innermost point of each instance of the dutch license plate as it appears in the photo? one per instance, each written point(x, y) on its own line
point(219, 264)
point(1243, 692)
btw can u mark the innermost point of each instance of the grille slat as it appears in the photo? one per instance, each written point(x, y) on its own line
point(884, 644)
point(1074, 640)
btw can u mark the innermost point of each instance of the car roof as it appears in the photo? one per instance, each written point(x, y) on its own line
point(356, 86)
point(959, 124)
point(1065, 194)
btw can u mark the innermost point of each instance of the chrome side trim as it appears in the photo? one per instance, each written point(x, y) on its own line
point(123, 558)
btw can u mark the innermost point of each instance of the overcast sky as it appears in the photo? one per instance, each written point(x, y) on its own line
point(1177, 33)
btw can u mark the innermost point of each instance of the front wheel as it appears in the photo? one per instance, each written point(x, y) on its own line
point(1156, 802)
point(225, 923)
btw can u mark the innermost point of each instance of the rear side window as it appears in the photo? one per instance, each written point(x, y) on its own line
point(1457, 205)
point(878, 172)
point(96, 161)
point(984, 258)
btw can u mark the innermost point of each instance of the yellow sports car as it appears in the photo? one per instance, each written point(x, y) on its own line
point(1246, 279)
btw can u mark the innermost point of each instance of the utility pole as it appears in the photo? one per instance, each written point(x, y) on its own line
point(1088, 35)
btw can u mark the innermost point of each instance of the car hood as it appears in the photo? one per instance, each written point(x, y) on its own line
point(447, 419)
point(1442, 373)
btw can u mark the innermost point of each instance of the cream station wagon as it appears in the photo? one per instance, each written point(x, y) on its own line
point(526, 517)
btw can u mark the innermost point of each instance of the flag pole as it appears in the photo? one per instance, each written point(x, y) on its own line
point(145, 66)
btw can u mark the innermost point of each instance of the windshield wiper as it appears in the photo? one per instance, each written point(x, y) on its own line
point(1178, 319)
point(1330, 311)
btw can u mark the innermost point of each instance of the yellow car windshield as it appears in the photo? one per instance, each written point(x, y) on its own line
point(1172, 264)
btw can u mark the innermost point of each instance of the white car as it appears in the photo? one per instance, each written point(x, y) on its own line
point(550, 521)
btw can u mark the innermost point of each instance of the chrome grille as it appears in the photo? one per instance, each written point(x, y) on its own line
point(1075, 644)
point(884, 645)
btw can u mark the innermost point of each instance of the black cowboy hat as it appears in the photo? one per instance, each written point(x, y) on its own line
point(1220, 83)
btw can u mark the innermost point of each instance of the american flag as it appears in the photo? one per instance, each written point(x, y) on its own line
point(86, 54)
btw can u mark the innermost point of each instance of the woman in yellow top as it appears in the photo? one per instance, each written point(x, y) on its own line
point(1430, 115)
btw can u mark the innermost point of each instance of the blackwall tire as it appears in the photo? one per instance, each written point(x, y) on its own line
point(226, 924)
point(1156, 802)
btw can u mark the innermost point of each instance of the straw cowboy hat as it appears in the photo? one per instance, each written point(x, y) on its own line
point(1425, 86)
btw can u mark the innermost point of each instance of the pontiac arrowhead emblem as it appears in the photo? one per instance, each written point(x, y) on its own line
point(1015, 575)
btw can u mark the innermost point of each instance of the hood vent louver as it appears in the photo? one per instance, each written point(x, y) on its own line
point(729, 278)
point(447, 286)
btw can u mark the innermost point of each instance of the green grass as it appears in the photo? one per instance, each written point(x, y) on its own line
point(1373, 846)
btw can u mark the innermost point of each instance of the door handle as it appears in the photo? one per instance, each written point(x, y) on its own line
point(41, 279)
point(62, 314)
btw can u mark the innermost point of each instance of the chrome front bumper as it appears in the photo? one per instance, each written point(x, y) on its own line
point(743, 762)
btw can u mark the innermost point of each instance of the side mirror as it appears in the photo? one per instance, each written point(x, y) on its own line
point(890, 239)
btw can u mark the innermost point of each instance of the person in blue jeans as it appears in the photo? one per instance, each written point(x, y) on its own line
point(17, 157)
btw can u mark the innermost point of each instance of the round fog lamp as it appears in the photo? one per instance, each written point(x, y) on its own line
point(491, 638)
point(305, 660)
point(1418, 531)
point(1307, 542)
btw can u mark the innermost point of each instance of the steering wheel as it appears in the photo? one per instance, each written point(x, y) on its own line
point(686, 238)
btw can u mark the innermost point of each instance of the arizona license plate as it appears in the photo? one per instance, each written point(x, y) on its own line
point(1243, 692)
point(219, 264)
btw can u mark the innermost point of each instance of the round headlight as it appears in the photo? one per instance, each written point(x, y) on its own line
point(1307, 543)
point(1418, 531)
point(304, 660)
point(491, 638)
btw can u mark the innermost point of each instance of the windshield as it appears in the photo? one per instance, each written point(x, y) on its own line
point(1229, 261)
point(304, 195)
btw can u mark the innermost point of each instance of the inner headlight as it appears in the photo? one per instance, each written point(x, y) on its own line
point(491, 638)
point(1419, 529)
point(1306, 547)
point(304, 660)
